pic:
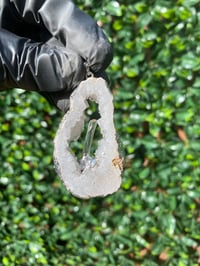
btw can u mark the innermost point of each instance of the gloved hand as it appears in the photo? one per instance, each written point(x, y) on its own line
point(45, 46)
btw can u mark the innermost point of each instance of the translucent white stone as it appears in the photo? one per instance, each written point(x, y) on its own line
point(102, 176)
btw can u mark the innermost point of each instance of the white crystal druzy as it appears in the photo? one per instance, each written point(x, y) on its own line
point(105, 177)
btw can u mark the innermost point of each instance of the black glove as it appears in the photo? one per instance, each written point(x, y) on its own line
point(45, 45)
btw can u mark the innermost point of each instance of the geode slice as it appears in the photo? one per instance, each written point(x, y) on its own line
point(103, 177)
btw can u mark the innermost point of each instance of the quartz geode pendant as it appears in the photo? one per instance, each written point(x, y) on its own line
point(90, 177)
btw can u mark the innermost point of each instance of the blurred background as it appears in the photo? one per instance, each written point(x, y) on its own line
point(154, 219)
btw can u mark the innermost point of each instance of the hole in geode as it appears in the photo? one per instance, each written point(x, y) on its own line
point(77, 146)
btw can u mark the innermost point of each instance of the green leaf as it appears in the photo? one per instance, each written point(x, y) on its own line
point(114, 8)
point(190, 61)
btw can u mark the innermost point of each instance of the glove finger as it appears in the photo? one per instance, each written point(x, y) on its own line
point(37, 66)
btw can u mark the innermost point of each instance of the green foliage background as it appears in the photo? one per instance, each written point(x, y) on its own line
point(154, 218)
